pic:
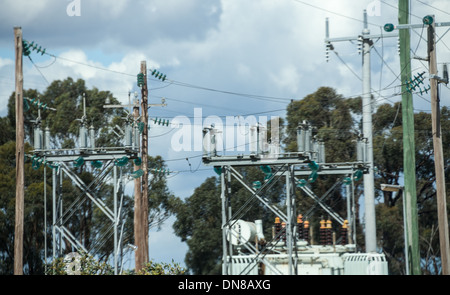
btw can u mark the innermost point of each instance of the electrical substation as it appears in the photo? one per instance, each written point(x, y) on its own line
point(289, 250)
point(292, 246)
point(109, 164)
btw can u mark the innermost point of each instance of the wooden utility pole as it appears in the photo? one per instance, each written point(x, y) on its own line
point(141, 203)
point(20, 156)
point(438, 152)
point(409, 153)
point(144, 107)
point(137, 199)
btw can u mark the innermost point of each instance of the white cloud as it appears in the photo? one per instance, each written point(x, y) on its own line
point(5, 62)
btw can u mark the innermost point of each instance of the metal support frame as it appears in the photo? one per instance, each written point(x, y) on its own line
point(284, 168)
point(62, 212)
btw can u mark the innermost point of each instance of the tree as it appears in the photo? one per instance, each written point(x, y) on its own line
point(388, 156)
point(199, 225)
point(335, 120)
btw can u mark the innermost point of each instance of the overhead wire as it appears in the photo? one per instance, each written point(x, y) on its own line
point(424, 3)
point(335, 13)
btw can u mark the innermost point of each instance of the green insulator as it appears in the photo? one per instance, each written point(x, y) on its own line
point(313, 177)
point(121, 162)
point(218, 170)
point(357, 175)
point(137, 173)
point(78, 162)
point(313, 166)
point(96, 164)
point(302, 183)
point(137, 161)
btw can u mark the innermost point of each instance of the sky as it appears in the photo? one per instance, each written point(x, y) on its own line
point(224, 58)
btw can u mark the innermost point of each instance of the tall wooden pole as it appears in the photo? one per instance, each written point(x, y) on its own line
point(144, 118)
point(438, 153)
point(137, 200)
point(409, 153)
point(141, 193)
point(20, 156)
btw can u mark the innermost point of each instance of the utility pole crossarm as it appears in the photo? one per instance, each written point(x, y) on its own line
point(357, 38)
point(391, 27)
point(353, 38)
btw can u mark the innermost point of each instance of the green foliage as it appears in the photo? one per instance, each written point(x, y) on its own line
point(88, 265)
point(335, 121)
point(199, 225)
point(158, 269)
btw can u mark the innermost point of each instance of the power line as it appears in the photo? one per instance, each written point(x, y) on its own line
point(433, 7)
point(260, 97)
point(178, 83)
point(42, 75)
point(335, 13)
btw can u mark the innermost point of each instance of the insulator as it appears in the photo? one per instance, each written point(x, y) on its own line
point(313, 177)
point(300, 226)
point(83, 137)
point(37, 138)
point(308, 138)
point(329, 238)
point(321, 156)
point(137, 173)
point(253, 145)
point(360, 44)
point(344, 233)
point(256, 185)
point(313, 166)
point(128, 135)
point(322, 232)
point(96, 164)
point(301, 139)
point(47, 138)
point(277, 227)
point(283, 232)
point(357, 175)
point(92, 137)
point(137, 161)
point(301, 183)
point(78, 162)
point(136, 137)
point(121, 162)
point(306, 231)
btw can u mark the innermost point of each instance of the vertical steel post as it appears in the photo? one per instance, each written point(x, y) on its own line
point(369, 183)
point(224, 222)
point(115, 218)
point(288, 228)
